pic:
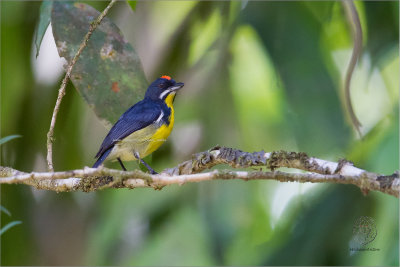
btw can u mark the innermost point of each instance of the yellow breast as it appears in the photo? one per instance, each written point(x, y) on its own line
point(146, 140)
point(161, 135)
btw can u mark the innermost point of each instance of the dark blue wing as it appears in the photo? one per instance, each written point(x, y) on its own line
point(137, 117)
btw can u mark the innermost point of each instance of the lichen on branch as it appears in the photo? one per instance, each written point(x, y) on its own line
point(314, 170)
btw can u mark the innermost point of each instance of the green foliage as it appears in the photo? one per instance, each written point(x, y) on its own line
point(132, 4)
point(383, 29)
point(258, 75)
point(305, 79)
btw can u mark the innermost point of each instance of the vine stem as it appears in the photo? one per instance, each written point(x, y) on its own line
point(356, 30)
point(61, 91)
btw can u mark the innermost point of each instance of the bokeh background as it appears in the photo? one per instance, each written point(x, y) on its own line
point(258, 75)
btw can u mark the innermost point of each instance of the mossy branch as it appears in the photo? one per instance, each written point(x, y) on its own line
point(316, 171)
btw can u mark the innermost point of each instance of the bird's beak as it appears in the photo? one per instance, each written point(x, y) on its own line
point(176, 87)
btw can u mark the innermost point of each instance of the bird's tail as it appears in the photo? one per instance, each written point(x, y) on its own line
point(102, 158)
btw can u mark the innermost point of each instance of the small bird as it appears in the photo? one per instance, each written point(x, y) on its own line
point(144, 127)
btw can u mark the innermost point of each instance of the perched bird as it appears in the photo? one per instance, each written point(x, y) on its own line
point(144, 127)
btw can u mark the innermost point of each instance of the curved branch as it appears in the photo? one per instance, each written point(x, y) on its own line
point(61, 91)
point(317, 171)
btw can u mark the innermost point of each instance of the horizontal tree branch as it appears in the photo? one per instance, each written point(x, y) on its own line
point(316, 171)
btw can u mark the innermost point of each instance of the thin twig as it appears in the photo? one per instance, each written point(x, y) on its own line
point(356, 30)
point(317, 171)
point(61, 91)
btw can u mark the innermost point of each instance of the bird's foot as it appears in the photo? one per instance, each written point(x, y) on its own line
point(145, 164)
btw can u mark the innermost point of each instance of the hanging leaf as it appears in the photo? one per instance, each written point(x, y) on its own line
point(108, 73)
point(44, 21)
point(9, 138)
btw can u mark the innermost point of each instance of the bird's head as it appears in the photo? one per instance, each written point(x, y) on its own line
point(162, 87)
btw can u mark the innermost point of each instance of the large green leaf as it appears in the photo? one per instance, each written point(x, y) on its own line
point(318, 218)
point(292, 35)
point(383, 29)
point(108, 73)
point(44, 21)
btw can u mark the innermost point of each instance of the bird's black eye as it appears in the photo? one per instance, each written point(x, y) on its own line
point(161, 85)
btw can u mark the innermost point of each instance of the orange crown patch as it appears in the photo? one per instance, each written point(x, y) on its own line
point(166, 77)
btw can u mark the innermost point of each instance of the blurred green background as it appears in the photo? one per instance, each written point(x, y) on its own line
point(258, 75)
